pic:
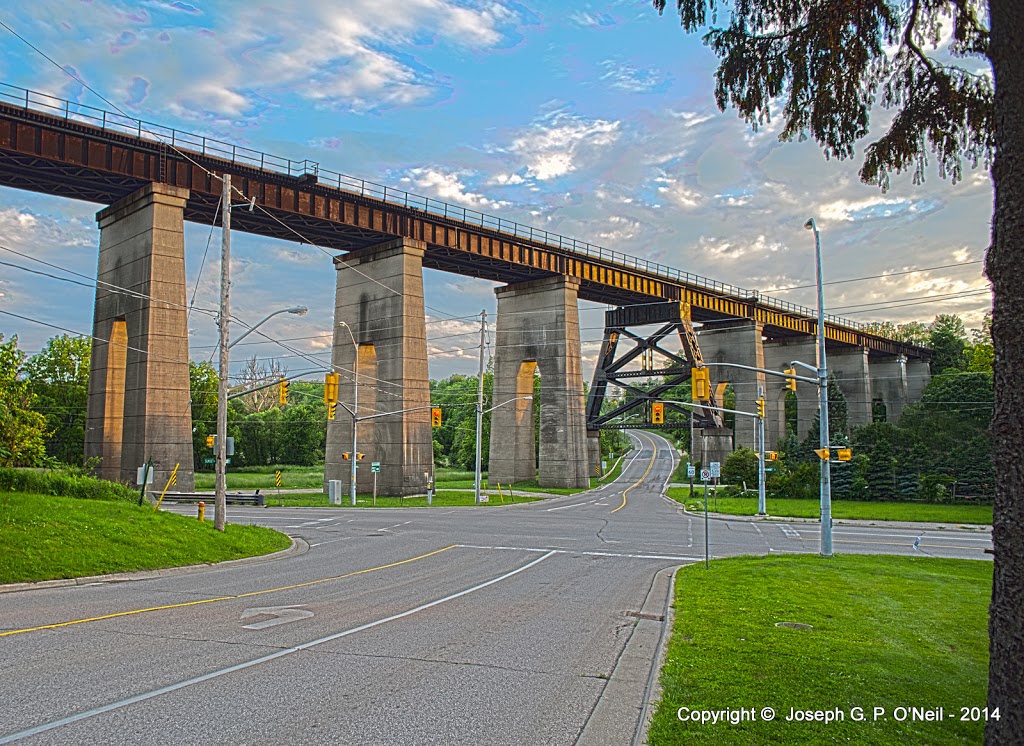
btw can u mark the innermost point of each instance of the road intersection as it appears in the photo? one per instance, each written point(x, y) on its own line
point(533, 623)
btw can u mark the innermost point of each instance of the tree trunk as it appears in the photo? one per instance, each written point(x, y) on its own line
point(1005, 268)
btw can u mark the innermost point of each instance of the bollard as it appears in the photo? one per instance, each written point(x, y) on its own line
point(202, 511)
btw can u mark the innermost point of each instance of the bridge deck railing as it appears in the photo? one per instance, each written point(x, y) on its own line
point(237, 154)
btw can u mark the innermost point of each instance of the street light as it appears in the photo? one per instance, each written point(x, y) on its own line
point(220, 462)
point(823, 439)
point(479, 428)
point(355, 408)
point(297, 310)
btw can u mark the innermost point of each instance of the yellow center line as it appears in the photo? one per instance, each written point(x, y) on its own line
point(637, 482)
point(224, 598)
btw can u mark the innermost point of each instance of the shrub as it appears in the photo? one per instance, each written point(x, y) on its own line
point(64, 484)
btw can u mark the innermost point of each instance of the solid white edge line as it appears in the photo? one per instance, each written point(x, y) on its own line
point(266, 658)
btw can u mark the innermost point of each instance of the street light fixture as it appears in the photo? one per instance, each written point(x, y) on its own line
point(220, 461)
point(355, 408)
point(297, 310)
point(479, 419)
point(823, 432)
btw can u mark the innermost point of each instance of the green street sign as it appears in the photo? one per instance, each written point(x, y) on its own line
point(375, 466)
point(209, 460)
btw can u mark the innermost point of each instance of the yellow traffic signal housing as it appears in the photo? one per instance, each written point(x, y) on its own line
point(760, 408)
point(658, 413)
point(773, 455)
point(700, 380)
point(359, 457)
point(282, 392)
point(790, 382)
point(844, 454)
point(331, 389)
point(332, 410)
point(435, 417)
point(345, 455)
point(822, 453)
point(210, 440)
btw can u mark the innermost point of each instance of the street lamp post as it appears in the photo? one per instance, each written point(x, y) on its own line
point(355, 410)
point(220, 487)
point(823, 439)
point(479, 417)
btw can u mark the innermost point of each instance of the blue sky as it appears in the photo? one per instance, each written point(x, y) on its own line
point(597, 123)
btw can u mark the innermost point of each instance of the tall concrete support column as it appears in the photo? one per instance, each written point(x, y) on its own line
point(380, 297)
point(139, 403)
point(850, 365)
point(736, 342)
point(778, 354)
point(889, 384)
point(538, 328)
point(594, 451)
point(919, 373)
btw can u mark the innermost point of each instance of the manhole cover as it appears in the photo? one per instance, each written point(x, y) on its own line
point(793, 625)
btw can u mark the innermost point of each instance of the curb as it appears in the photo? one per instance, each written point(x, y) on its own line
point(912, 525)
point(299, 546)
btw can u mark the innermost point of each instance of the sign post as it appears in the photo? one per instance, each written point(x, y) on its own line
point(705, 477)
point(375, 468)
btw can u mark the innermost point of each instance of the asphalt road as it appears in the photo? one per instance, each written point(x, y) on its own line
point(536, 623)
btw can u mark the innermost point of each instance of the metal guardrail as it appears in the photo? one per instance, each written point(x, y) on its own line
point(208, 146)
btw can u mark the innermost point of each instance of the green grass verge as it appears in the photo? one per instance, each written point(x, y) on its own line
point(443, 499)
point(46, 537)
point(251, 477)
point(872, 511)
point(886, 632)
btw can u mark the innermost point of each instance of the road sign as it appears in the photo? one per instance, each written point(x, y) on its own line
point(375, 466)
point(705, 475)
point(484, 498)
point(691, 471)
point(278, 481)
point(209, 460)
point(716, 469)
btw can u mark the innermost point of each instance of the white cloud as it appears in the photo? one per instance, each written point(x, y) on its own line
point(672, 189)
point(625, 77)
point(557, 144)
point(448, 185)
point(43, 234)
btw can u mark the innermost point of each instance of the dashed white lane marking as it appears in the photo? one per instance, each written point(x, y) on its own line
point(789, 531)
point(689, 532)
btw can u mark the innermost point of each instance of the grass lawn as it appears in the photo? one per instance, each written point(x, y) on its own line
point(251, 477)
point(443, 499)
point(874, 511)
point(886, 632)
point(46, 537)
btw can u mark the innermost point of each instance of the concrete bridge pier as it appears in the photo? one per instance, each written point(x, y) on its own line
point(889, 384)
point(739, 342)
point(852, 368)
point(778, 354)
point(380, 296)
point(538, 329)
point(139, 403)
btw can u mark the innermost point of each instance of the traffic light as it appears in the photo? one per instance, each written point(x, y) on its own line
point(331, 389)
point(844, 454)
point(282, 392)
point(658, 413)
point(210, 440)
point(345, 455)
point(772, 455)
point(700, 380)
point(790, 382)
point(435, 417)
point(359, 457)
point(822, 453)
point(760, 408)
point(332, 409)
